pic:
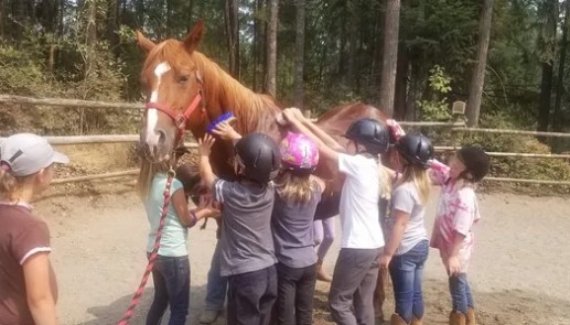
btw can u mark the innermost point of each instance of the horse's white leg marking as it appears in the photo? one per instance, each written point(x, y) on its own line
point(152, 113)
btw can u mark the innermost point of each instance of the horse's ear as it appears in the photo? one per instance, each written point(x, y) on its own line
point(193, 38)
point(144, 43)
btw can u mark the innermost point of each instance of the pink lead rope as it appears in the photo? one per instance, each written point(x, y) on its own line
point(138, 294)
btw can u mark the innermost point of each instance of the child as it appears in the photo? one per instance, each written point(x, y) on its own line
point(171, 273)
point(407, 247)
point(356, 270)
point(296, 198)
point(247, 252)
point(457, 212)
point(27, 280)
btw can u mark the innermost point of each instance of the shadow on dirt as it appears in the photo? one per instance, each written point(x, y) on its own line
point(112, 313)
point(494, 308)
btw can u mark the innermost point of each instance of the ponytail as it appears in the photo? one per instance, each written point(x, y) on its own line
point(8, 183)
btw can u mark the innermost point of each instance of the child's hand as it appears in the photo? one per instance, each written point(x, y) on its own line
point(292, 114)
point(209, 207)
point(225, 131)
point(395, 129)
point(452, 266)
point(205, 145)
point(385, 261)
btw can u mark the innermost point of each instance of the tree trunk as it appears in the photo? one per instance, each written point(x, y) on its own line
point(547, 68)
point(257, 44)
point(415, 92)
point(91, 39)
point(401, 83)
point(113, 25)
point(299, 52)
point(352, 44)
point(2, 18)
point(271, 78)
point(232, 36)
point(390, 57)
point(478, 78)
point(557, 119)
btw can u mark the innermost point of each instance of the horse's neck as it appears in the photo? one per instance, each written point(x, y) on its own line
point(254, 112)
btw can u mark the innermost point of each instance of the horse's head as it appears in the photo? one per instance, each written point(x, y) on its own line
point(172, 85)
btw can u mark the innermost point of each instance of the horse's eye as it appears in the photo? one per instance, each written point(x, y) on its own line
point(183, 79)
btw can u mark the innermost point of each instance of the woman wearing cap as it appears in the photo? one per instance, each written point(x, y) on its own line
point(407, 246)
point(27, 280)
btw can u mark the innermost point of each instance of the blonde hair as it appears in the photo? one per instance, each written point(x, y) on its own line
point(294, 188)
point(420, 178)
point(10, 184)
point(146, 174)
point(385, 183)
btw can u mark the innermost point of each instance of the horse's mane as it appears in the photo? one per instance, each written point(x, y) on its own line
point(254, 112)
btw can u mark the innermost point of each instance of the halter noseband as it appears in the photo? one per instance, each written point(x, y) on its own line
point(181, 117)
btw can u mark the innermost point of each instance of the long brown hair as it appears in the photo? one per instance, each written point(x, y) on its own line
point(294, 187)
point(146, 174)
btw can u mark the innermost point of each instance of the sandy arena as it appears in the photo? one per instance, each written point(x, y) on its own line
point(520, 272)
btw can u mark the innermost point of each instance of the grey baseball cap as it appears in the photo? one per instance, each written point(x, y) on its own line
point(27, 153)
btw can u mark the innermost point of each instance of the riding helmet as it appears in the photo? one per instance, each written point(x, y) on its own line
point(416, 149)
point(476, 162)
point(259, 157)
point(372, 134)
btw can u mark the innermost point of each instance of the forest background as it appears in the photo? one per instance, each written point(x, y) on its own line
point(412, 58)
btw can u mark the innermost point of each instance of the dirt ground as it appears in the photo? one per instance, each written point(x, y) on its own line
point(519, 274)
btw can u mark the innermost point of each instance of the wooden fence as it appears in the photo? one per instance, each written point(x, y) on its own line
point(136, 108)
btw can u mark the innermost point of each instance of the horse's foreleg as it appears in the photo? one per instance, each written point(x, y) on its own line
point(203, 226)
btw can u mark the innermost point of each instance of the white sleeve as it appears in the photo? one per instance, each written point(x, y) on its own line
point(218, 190)
point(348, 164)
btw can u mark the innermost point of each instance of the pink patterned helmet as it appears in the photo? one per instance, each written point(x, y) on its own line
point(299, 152)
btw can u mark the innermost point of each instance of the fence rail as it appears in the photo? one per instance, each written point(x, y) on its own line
point(126, 138)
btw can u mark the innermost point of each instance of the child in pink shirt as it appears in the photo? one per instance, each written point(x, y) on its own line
point(457, 212)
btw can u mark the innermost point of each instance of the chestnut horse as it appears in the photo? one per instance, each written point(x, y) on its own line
point(185, 90)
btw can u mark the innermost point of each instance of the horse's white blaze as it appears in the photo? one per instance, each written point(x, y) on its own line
point(152, 113)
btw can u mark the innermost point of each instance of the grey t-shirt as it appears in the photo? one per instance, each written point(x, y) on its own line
point(292, 225)
point(246, 242)
point(406, 198)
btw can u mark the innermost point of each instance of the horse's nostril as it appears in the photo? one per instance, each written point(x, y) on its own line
point(161, 137)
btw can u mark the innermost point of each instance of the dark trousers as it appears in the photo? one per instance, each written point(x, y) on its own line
point(351, 297)
point(407, 273)
point(296, 287)
point(251, 297)
point(171, 277)
point(461, 296)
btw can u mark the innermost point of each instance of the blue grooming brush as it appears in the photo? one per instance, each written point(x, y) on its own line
point(220, 119)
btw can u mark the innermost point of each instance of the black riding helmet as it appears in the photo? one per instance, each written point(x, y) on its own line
point(476, 162)
point(369, 132)
point(416, 149)
point(259, 157)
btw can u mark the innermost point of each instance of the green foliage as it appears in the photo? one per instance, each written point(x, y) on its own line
point(437, 108)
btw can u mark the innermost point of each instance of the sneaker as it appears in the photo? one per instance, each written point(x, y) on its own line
point(209, 316)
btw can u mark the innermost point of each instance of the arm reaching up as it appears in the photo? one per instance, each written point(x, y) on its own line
point(296, 119)
point(438, 172)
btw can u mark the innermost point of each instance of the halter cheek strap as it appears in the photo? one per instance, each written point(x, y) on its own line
point(178, 118)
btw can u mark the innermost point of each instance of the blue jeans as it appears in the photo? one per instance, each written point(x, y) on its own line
point(217, 285)
point(461, 297)
point(407, 273)
point(171, 277)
